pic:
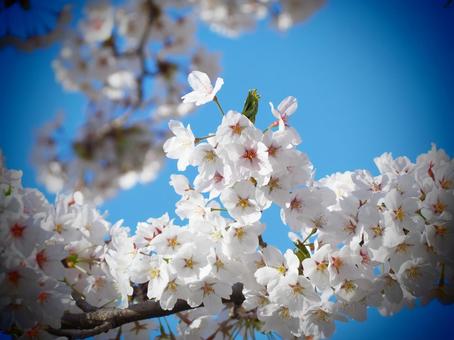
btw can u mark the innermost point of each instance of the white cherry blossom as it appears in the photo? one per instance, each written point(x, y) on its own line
point(203, 92)
point(181, 146)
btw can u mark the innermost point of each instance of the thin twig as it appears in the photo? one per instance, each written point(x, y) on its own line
point(216, 100)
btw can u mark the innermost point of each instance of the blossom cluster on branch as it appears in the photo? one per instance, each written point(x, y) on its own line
point(131, 60)
point(359, 241)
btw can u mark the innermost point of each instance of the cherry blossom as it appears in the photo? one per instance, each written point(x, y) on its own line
point(358, 241)
point(203, 92)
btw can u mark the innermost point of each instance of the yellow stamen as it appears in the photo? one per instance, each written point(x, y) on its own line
point(172, 286)
point(239, 233)
point(297, 289)
point(243, 203)
point(208, 288)
point(439, 207)
point(189, 263)
point(58, 228)
point(281, 269)
point(378, 230)
point(173, 242)
point(348, 286)
point(399, 214)
point(155, 273)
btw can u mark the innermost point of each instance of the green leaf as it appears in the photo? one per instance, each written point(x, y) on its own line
point(70, 261)
point(251, 105)
point(162, 330)
point(301, 251)
point(8, 191)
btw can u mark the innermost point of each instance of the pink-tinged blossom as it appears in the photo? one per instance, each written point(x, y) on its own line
point(98, 25)
point(147, 231)
point(284, 110)
point(235, 128)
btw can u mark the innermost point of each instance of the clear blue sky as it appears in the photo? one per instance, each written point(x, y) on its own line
point(370, 76)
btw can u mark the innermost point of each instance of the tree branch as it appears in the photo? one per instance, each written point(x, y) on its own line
point(82, 325)
point(80, 333)
point(81, 302)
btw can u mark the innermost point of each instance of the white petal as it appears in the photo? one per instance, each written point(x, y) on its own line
point(288, 106)
point(200, 81)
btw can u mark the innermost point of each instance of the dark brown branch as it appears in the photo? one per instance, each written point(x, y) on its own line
point(81, 333)
point(154, 13)
point(82, 325)
point(262, 244)
point(82, 303)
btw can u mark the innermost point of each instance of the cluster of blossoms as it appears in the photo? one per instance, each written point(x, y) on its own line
point(232, 17)
point(117, 49)
point(359, 240)
point(113, 57)
point(54, 258)
point(109, 155)
point(134, 58)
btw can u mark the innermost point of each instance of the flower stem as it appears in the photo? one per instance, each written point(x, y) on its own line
point(441, 282)
point(313, 231)
point(199, 139)
point(216, 100)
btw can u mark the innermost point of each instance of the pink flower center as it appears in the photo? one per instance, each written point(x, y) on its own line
point(33, 333)
point(296, 204)
point(272, 150)
point(337, 263)
point(41, 258)
point(14, 277)
point(249, 154)
point(42, 297)
point(218, 177)
point(236, 129)
point(17, 230)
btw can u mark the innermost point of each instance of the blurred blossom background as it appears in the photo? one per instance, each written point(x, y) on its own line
point(370, 77)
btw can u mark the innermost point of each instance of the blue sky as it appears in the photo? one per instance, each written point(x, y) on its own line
point(370, 76)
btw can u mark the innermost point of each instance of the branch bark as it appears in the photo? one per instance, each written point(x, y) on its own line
point(81, 303)
point(82, 325)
